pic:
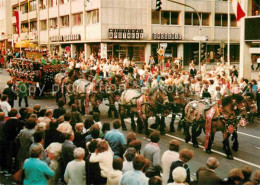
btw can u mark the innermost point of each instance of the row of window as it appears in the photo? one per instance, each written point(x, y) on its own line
point(191, 18)
point(77, 20)
point(92, 17)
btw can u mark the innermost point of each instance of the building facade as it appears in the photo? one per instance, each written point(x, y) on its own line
point(249, 37)
point(128, 28)
point(5, 26)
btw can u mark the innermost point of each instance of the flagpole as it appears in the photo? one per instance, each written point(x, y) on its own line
point(20, 28)
point(228, 44)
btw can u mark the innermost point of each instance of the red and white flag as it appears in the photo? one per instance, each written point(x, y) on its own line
point(16, 14)
point(238, 10)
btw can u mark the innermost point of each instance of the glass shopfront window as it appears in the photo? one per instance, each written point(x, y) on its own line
point(135, 52)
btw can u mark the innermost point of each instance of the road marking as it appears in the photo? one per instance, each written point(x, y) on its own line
point(257, 147)
point(242, 133)
point(215, 151)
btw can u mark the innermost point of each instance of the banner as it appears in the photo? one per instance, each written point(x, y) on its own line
point(104, 50)
point(16, 14)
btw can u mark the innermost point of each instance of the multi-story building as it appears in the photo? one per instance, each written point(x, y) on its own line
point(29, 20)
point(249, 37)
point(129, 28)
point(5, 26)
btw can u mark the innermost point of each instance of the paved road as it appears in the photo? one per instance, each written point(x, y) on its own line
point(249, 140)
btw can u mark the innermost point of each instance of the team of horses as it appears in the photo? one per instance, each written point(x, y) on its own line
point(224, 115)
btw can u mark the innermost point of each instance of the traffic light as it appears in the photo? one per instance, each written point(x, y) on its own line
point(158, 5)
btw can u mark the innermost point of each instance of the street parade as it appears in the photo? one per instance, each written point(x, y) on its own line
point(130, 112)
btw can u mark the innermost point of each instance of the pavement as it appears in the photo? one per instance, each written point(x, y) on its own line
point(249, 140)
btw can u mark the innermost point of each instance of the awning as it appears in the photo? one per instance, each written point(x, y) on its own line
point(24, 44)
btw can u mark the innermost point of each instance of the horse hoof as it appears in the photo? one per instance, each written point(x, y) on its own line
point(133, 129)
point(196, 145)
point(208, 151)
point(154, 126)
point(147, 133)
point(230, 157)
point(124, 128)
point(187, 139)
point(235, 149)
point(162, 132)
point(172, 129)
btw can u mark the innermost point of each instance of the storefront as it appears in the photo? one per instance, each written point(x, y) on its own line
point(135, 51)
point(210, 52)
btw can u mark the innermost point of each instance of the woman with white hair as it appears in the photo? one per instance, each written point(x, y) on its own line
point(179, 175)
point(75, 171)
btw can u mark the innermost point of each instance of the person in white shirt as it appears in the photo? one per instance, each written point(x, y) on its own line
point(168, 157)
point(129, 157)
point(75, 172)
point(104, 157)
point(65, 127)
point(4, 105)
point(114, 176)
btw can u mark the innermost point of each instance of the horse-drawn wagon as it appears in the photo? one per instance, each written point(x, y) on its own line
point(40, 78)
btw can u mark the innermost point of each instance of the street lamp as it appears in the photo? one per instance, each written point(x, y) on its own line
point(183, 4)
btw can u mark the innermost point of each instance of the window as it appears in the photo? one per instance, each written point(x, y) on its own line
point(15, 9)
point(205, 19)
point(42, 4)
point(165, 18)
point(14, 29)
point(64, 1)
point(77, 19)
point(53, 3)
point(218, 18)
point(174, 18)
point(33, 6)
point(188, 18)
point(33, 26)
point(191, 18)
point(43, 25)
point(24, 8)
point(53, 23)
point(255, 8)
point(196, 21)
point(95, 16)
point(222, 20)
point(233, 21)
point(155, 17)
point(88, 18)
point(92, 17)
point(65, 21)
point(24, 27)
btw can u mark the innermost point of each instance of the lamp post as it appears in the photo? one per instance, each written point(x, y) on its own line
point(200, 24)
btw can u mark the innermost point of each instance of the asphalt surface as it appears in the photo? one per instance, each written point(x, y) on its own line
point(249, 140)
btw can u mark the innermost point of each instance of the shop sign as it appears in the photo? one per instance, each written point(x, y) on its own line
point(63, 38)
point(104, 50)
point(67, 49)
point(166, 36)
point(127, 34)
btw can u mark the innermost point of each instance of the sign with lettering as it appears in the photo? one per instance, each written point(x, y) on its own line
point(127, 34)
point(166, 36)
point(64, 38)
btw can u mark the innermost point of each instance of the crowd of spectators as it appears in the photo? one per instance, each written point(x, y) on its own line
point(52, 147)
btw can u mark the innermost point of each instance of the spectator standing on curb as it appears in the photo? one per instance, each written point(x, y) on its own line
point(23, 92)
point(168, 157)
point(9, 91)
